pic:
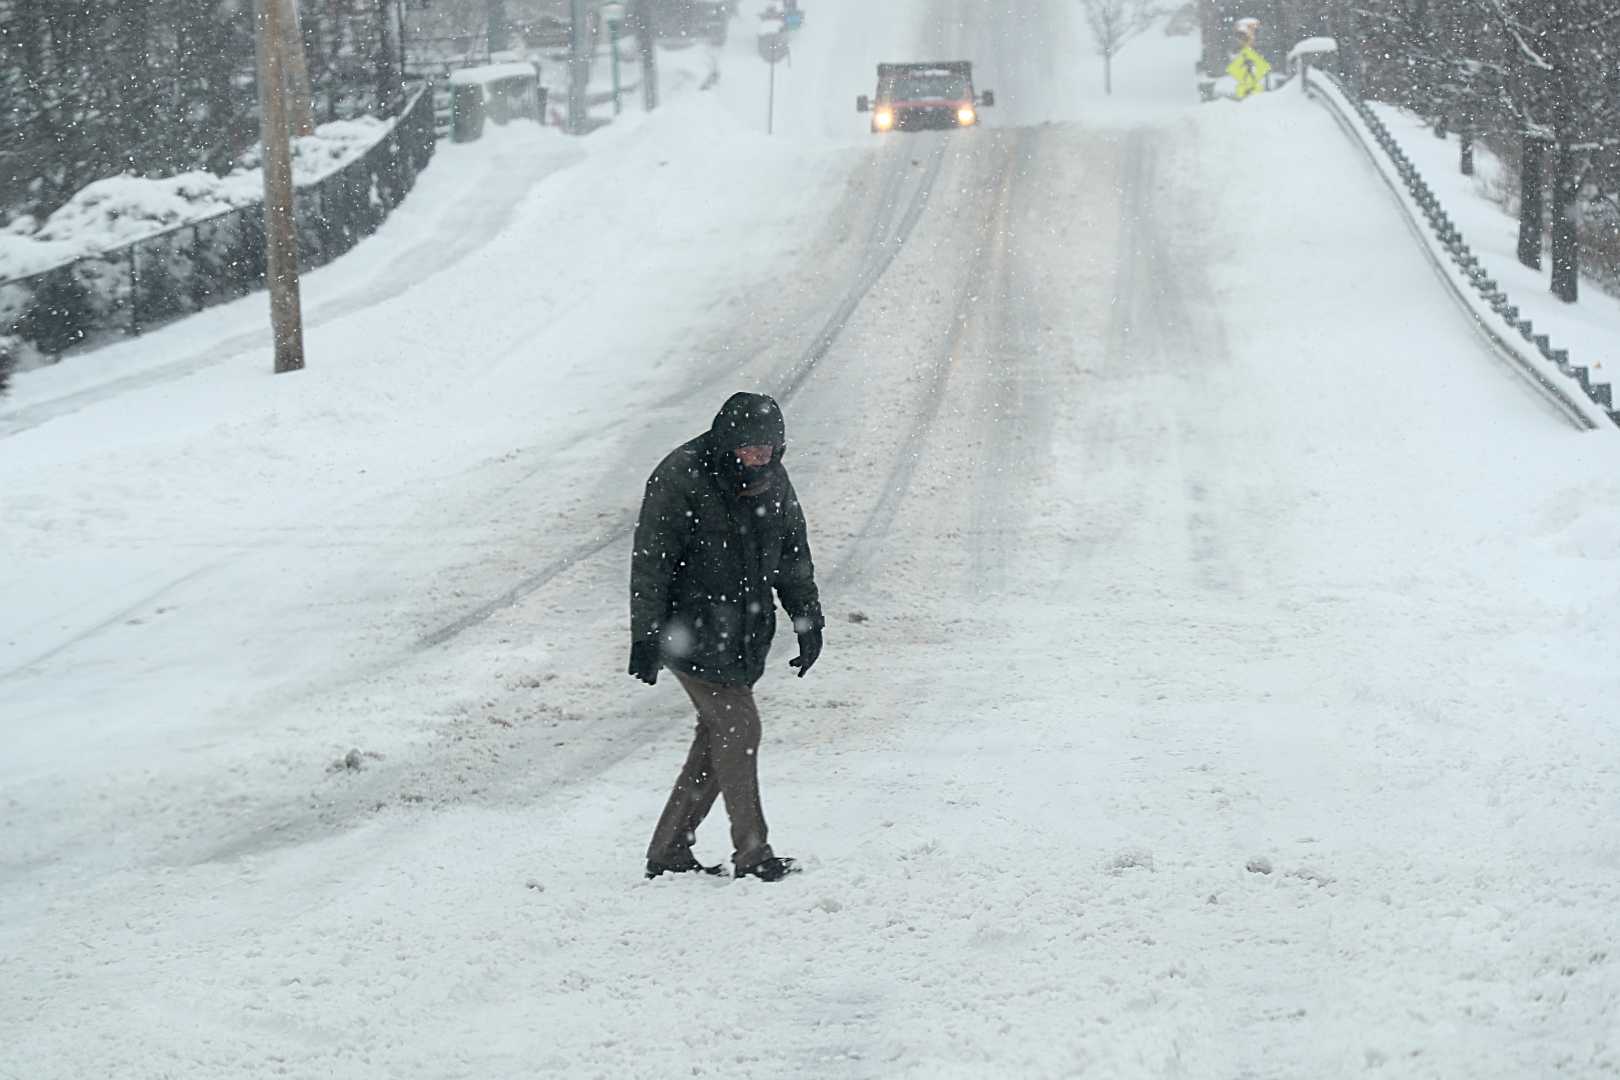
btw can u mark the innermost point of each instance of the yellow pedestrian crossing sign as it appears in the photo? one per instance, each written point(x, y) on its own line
point(1250, 69)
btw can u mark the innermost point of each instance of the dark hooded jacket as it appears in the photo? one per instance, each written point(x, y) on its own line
point(712, 543)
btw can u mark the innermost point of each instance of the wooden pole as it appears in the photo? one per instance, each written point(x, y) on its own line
point(389, 57)
point(281, 238)
point(302, 100)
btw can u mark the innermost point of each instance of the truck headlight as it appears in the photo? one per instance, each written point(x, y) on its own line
point(966, 116)
point(883, 119)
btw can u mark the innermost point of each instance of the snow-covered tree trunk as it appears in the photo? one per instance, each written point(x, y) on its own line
point(1531, 204)
point(1566, 250)
point(1566, 241)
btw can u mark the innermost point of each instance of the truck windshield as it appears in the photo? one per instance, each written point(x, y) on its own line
point(923, 85)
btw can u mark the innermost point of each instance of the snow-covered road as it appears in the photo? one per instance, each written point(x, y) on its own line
point(1220, 678)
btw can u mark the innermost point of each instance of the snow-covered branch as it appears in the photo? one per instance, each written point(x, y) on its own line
point(1516, 30)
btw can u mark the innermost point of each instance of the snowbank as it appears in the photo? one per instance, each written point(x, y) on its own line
point(121, 209)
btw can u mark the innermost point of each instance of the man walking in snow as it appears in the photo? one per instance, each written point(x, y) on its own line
point(720, 528)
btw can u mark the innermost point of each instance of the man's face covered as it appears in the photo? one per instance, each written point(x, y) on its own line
point(748, 437)
point(754, 465)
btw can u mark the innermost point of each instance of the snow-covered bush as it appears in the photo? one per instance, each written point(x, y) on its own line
point(59, 315)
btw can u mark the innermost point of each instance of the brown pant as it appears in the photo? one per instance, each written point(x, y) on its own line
point(724, 761)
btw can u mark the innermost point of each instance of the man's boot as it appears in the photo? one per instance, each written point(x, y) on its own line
point(771, 869)
point(658, 869)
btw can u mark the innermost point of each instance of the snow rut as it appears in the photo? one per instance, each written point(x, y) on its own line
point(901, 207)
point(990, 246)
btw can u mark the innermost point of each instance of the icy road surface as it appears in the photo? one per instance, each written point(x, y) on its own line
point(1221, 678)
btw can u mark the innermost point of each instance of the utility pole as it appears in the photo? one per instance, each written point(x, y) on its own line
point(498, 27)
point(389, 59)
point(647, 44)
point(281, 238)
point(302, 104)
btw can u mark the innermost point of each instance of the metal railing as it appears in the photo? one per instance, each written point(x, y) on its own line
point(184, 269)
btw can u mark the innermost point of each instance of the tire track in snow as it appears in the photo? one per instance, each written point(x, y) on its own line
point(1013, 402)
point(117, 618)
point(887, 241)
point(1157, 329)
point(889, 245)
point(746, 347)
point(992, 238)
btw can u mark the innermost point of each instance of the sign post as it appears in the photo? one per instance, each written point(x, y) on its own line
point(773, 49)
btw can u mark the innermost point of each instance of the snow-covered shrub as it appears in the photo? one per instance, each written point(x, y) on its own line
point(242, 259)
point(60, 314)
point(162, 284)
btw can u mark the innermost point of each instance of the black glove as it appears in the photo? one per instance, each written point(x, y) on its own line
point(809, 650)
point(645, 661)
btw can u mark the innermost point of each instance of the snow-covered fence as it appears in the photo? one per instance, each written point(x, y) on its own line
point(184, 269)
point(1551, 370)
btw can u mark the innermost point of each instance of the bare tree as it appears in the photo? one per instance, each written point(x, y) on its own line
point(1113, 23)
